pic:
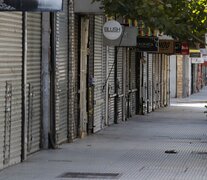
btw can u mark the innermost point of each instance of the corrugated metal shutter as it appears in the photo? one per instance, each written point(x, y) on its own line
point(2, 120)
point(75, 76)
point(120, 83)
point(150, 78)
point(11, 77)
point(127, 83)
point(157, 81)
point(111, 81)
point(133, 87)
point(34, 81)
point(162, 83)
point(154, 90)
point(144, 68)
point(98, 74)
point(61, 75)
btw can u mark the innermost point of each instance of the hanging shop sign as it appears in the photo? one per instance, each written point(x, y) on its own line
point(166, 46)
point(148, 44)
point(88, 7)
point(196, 57)
point(112, 30)
point(31, 5)
point(204, 54)
point(178, 47)
point(184, 48)
point(128, 38)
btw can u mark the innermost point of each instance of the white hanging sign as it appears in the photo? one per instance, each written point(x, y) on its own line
point(112, 30)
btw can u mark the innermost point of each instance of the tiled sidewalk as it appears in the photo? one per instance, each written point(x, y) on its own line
point(136, 150)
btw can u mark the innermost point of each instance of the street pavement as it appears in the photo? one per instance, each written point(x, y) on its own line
point(168, 144)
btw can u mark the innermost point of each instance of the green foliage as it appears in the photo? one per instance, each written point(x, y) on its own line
point(183, 19)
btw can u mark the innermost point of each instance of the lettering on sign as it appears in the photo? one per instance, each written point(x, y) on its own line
point(166, 46)
point(147, 44)
point(112, 30)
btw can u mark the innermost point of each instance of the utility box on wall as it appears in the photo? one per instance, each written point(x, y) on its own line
point(88, 7)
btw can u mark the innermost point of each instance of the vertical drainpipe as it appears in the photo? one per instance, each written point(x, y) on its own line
point(107, 87)
point(24, 89)
point(45, 81)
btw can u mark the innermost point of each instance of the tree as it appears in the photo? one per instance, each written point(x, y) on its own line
point(181, 19)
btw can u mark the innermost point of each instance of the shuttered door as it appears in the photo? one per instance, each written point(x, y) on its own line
point(98, 60)
point(157, 81)
point(111, 84)
point(133, 88)
point(160, 79)
point(2, 121)
point(144, 64)
point(154, 91)
point(61, 75)
point(127, 84)
point(34, 81)
point(120, 84)
point(11, 78)
point(162, 83)
point(149, 69)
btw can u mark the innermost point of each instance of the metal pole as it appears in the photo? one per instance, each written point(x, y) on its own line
point(45, 74)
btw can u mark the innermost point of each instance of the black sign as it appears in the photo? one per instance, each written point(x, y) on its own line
point(31, 5)
point(147, 44)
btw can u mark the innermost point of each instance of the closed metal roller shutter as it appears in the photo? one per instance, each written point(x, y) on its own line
point(162, 83)
point(127, 84)
point(144, 88)
point(2, 122)
point(11, 77)
point(120, 83)
point(150, 82)
point(34, 81)
point(133, 87)
point(157, 81)
point(154, 90)
point(75, 79)
point(98, 74)
point(111, 81)
point(61, 75)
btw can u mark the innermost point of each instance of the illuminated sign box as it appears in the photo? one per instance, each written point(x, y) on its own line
point(31, 5)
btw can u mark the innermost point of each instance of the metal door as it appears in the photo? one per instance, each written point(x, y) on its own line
point(149, 84)
point(111, 78)
point(11, 87)
point(127, 84)
point(61, 74)
point(34, 43)
point(98, 74)
point(119, 84)
point(133, 84)
point(144, 82)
